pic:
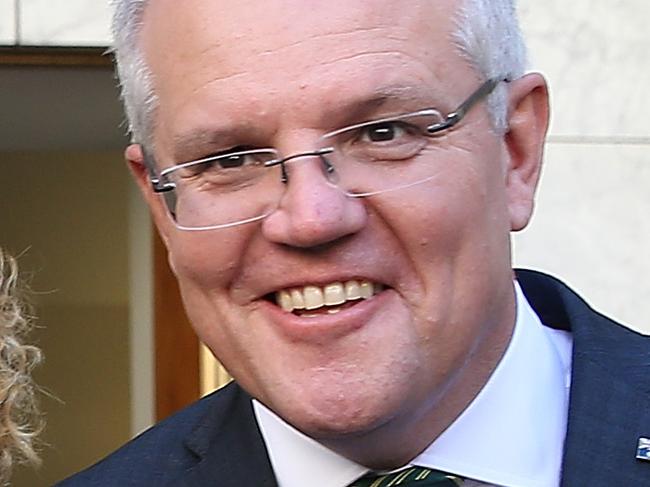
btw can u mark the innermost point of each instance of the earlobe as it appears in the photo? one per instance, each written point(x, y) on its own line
point(528, 112)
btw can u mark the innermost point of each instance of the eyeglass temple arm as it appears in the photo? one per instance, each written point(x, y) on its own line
point(156, 183)
point(457, 115)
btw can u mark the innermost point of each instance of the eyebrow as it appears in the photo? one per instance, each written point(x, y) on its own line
point(396, 98)
point(190, 145)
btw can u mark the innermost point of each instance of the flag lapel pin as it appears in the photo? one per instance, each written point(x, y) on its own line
point(643, 449)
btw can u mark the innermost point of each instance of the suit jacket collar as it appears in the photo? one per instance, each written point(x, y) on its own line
point(610, 387)
point(229, 447)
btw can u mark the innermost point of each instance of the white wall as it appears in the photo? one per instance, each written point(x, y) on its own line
point(55, 22)
point(592, 223)
point(7, 22)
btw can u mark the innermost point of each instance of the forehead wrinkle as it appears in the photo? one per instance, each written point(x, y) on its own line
point(361, 55)
point(335, 36)
point(243, 72)
point(218, 79)
point(390, 91)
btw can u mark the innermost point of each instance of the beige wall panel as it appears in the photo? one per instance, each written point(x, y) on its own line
point(65, 22)
point(595, 55)
point(66, 216)
point(7, 22)
point(87, 368)
point(141, 311)
point(592, 227)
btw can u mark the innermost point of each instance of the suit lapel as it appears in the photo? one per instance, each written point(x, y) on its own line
point(606, 418)
point(610, 388)
point(229, 448)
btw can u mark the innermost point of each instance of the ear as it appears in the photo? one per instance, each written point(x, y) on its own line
point(528, 113)
point(135, 158)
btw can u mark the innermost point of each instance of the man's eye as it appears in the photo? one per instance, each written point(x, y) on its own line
point(232, 161)
point(213, 164)
point(234, 157)
point(383, 132)
point(384, 140)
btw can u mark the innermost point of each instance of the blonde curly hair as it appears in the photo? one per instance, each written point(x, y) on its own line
point(20, 420)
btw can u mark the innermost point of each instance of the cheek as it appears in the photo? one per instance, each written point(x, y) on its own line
point(455, 234)
point(207, 261)
point(206, 264)
point(438, 219)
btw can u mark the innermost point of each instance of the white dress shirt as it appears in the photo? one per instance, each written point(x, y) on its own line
point(511, 435)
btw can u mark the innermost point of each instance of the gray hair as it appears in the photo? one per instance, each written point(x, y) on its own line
point(487, 34)
point(136, 80)
point(489, 37)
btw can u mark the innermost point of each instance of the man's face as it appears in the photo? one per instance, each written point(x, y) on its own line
point(281, 73)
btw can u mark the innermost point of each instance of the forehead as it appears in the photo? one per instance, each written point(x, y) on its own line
point(262, 55)
point(255, 25)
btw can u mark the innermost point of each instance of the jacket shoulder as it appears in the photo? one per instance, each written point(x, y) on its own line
point(599, 340)
point(162, 451)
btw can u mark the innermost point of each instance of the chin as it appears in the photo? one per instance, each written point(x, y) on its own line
point(330, 413)
point(336, 423)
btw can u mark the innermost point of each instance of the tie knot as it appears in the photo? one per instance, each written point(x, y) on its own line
point(412, 476)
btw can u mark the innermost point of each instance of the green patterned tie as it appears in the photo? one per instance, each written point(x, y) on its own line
point(410, 477)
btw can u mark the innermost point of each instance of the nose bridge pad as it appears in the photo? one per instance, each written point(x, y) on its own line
point(285, 176)
point(329, 168)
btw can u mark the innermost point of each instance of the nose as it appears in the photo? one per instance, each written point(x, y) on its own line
point(313, 211)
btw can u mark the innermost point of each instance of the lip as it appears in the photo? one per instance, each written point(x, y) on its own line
point(325, 327)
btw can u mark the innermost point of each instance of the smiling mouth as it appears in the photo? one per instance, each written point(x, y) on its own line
point(330, 298)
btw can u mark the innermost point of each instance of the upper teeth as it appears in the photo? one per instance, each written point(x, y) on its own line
point(314, 297)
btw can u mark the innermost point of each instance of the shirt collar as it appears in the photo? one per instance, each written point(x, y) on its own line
point(512, 434)
point(298, 460)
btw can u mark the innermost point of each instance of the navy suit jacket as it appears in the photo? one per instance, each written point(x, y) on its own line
point(216, 441)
